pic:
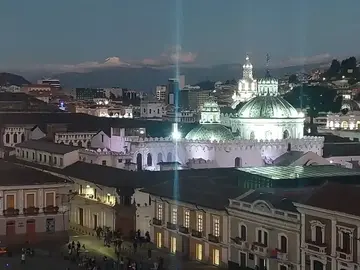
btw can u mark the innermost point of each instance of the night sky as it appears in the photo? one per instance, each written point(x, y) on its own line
point(72, 33)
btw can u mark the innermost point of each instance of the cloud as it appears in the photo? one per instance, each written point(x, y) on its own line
point(85, 66)
point(315, 59)
point(170, 56)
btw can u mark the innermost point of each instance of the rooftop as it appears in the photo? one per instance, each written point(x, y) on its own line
point(47, 146)
point(295, 172)
point(336, 197)
point(203, 192)
point(17, 175)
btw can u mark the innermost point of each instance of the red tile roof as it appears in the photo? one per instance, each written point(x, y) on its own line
point(336, 197)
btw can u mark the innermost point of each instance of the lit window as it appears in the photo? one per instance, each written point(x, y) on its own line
point(174, 216)
point(158, 240)
point(160, 212)
point(173, 245)
point(216, 256)
point(216, 227)
point(199, 252)
point(200, 222)
point(186, 218)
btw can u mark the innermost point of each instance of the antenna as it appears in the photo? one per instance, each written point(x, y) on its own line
point(267, 60)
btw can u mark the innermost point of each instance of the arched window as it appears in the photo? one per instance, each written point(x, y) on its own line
point(238, 162)
point(149, 159)
point(286, 134)
point(15, 138)
point(159, 158)
point(243, 234)
point(344, 125)
point(252, 135)
point(283, 244)
point(71, 143)
point(169, 157)
point(22, 137)
point(139, 162)
point(7, 138)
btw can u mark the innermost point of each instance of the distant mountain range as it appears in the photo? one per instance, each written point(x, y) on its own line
point(147, 78)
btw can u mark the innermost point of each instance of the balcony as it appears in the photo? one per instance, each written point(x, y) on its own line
point(183, 230)
point(11, 212)
point(196, 234)
point(213, 238)
point(282, 255)
point(171, 226)
point(240, 242)
point(157, 222)
point(344, 255)
point(259, 248)
point(31, 211)
point(315, 246)
point(50, 210)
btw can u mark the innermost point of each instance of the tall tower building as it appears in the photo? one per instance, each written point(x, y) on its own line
point(247, 86)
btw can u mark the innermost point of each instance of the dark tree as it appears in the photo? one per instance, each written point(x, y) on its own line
point(315, 99)
point(334, 69)
point(293, 78)
point(348, 67)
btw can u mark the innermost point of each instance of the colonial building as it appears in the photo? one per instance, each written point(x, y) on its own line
point(13, 134)
point(191, 221)
point(33, 207)
point(330, 229)
point(47, 153)
point(264, 228)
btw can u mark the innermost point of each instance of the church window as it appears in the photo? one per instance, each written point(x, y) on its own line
point(149, 159)
point(7, 138)
point(15, 138)
point(169, 157)
point(286, 134)
point(159, 157)
point(238, 162)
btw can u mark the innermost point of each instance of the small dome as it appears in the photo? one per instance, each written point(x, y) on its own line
point(210, 132)
point(268, 107)
point(350, 105)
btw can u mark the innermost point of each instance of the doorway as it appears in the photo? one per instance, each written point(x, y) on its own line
point(81, 217)
point(30, 230)
point(95, 221)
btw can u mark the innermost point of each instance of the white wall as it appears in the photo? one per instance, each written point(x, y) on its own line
point(101, 140)
point(144, 211)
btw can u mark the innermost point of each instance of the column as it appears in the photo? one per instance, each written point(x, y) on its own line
point(207, 224)
point(20, 200)
point(356, 243)
point(2, 200)
point(302, 242)
point(40, 200)
point(333, 243)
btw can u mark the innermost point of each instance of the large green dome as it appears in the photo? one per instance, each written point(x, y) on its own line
point(210, 132)
point(268, 106)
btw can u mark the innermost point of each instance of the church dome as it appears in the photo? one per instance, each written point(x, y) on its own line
point(262, 107)
point(350, 105)
point(210, 132)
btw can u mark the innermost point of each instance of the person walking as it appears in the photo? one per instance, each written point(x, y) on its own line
point(23, 258)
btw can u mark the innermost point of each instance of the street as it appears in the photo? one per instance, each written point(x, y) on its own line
point(95, 248)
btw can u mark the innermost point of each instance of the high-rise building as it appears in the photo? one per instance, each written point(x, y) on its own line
point(161, 92)
point(89, 93)
point(172, 90)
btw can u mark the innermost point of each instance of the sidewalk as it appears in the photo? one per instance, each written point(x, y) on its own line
point(171, 262)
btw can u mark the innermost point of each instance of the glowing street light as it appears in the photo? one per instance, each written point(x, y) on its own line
point(176, 135)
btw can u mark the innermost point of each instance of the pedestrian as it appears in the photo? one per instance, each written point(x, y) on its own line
point(135, 246)
point(149, 254)
point(23, 258)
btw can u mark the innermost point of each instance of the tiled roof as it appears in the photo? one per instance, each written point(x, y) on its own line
point(202, 192)
point(336, 197)
point(16, 175)
point(46, 146)
point(288, 158)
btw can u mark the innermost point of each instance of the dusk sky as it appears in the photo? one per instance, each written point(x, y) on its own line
point(86, 32)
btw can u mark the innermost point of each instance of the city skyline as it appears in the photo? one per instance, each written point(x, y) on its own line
point(69, 35)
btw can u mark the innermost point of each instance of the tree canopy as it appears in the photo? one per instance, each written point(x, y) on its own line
point(314, 99)
point(346, 68)
point(293, 78)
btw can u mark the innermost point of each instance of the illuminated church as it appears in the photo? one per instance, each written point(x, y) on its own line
point(264, 128)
